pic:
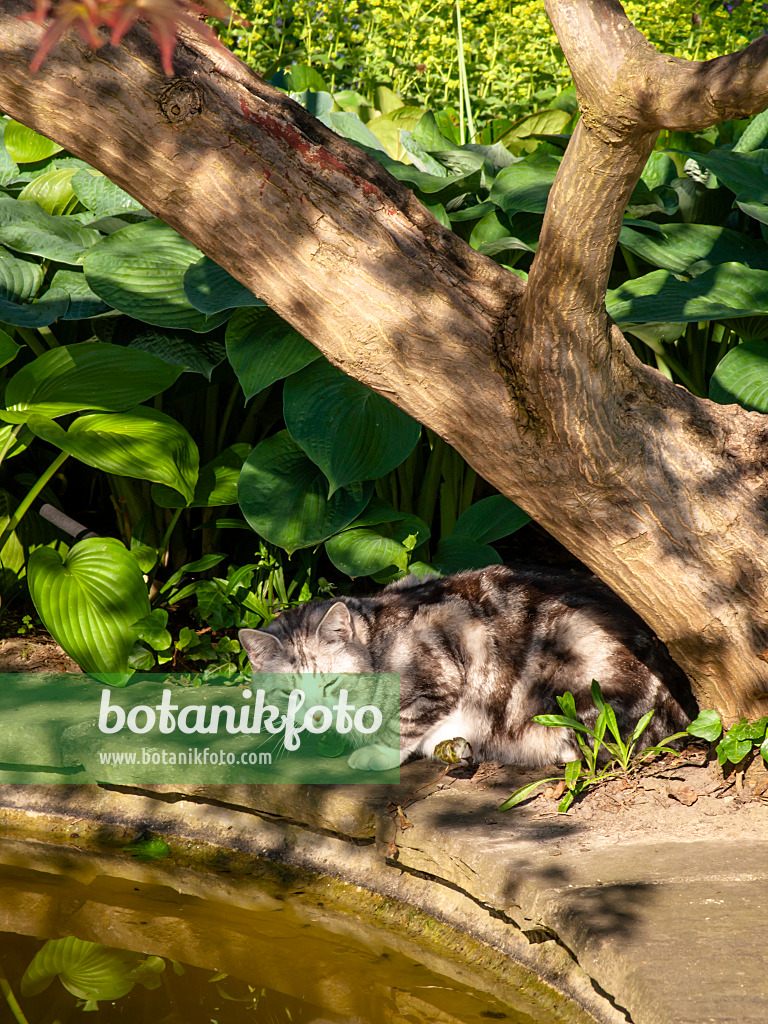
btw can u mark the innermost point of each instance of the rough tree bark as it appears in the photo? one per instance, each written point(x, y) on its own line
point(663, 495)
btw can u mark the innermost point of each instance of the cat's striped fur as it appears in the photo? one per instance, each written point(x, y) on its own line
point(480, 653)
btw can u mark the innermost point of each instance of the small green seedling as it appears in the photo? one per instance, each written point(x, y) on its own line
point(581, 774)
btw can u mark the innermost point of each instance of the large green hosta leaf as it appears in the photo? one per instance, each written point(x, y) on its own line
point(26, 228)
point(743, 173)
point(142, 443)
point(676, 247)
point(742, 376)
point(263, 348)
point(140, 271)
point(366, 551)
point(728, 290)
point(198, 353)
point(284, 496)
point(379, 539)
point(90, 600)
point(89, 970)
point(457, 554)
point(89, 375)
point(83, 303)
point(350, 432)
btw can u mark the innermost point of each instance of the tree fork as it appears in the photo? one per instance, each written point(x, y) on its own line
point(662, 494)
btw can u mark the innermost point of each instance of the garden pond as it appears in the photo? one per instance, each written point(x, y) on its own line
point(132, 947)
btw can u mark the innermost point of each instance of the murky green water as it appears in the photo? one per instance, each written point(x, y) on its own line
point(241, 958)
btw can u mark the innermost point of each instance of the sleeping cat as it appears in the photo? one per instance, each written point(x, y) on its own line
point(480, 653)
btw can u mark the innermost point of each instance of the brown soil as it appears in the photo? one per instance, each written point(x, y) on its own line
point(675, 798)
point(34, 654)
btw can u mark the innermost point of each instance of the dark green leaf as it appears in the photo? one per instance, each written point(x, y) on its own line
point(262, 348)
point(210, 288)
point(283, 496)
point(457, 554)
point(350, 432)
point(490, 519)
point(140, 271)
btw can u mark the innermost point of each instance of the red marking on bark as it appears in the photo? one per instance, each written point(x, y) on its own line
point(312, 154)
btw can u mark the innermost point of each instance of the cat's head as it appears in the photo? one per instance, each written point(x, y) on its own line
point(316, 637)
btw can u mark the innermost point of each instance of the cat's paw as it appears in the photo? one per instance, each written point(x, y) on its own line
point(376, 758)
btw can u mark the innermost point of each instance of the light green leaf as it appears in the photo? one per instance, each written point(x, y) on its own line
point(88, 375)
point(365, 551)
point(518, 139)
point(142, 444)
point(89, 601)
point(349, 126)
point(262, 348)
point(52, 191)
point(490, 519)
point(151, 629)
point(707, 726)
point(758, 211)
point(350, 432)
point(26, 146)
point(210, 288)
point(387, 128)
point(216, 482)
point(26, 228)
point(283, 495)
point(140, 271)
point(742, 376)
point(524, 793)
point(86, 969)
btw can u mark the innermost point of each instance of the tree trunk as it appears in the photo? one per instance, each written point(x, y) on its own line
point(663, 495)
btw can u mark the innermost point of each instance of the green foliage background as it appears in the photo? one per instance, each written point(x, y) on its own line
point(509, 47)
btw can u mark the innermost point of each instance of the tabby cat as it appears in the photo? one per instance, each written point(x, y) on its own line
point(479, 654)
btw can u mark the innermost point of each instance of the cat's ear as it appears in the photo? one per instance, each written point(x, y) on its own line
point(259, 646)
point(336, 626)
